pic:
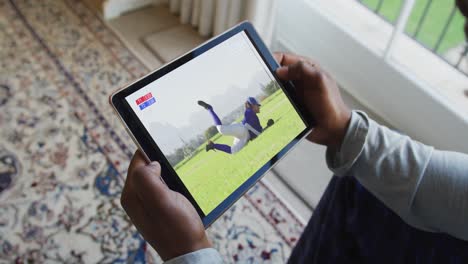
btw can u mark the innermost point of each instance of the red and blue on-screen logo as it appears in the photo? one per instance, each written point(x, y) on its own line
point(145, 101)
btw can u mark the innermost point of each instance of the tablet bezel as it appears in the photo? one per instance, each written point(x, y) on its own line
point(145, 142)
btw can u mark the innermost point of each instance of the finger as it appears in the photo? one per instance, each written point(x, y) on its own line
point(298, 71)
point(135, 211)
point(147, 183)
point(278, 56)
point(138, 159)
point(285, 59)
point(128, 198)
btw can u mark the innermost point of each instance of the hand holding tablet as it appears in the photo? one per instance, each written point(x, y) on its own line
point(165, 218)
point(239, 144)
point(320, 95)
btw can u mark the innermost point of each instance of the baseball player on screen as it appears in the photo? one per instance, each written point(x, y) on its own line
point(248, 129)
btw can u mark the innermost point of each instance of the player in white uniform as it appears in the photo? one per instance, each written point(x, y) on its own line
point(242, 132)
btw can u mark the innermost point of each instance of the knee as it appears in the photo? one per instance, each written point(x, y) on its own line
point(221, 129)
point(234, 150)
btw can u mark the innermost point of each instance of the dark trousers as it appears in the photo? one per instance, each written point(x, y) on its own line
point(350, 225)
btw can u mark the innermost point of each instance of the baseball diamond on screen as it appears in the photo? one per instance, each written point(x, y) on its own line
point(218, 119)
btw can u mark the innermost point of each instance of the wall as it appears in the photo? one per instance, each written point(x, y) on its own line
point(399, 98)
point(114, 8)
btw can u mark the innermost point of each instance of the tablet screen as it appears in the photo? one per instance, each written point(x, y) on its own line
point(209, 117)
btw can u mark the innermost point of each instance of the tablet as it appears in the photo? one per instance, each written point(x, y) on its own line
point(217, 119)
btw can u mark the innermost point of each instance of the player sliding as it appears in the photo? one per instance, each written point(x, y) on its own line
point(242, 132)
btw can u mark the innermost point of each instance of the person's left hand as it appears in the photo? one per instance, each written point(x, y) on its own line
point(166, 219)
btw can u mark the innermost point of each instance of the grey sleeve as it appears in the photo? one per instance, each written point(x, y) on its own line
point(441, 202)
point(427, 188)
point(202, 256)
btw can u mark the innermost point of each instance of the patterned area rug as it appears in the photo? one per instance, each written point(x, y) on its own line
point(64, 154)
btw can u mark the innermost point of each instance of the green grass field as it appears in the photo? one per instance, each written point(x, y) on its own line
point(433, 24)
point(212, 176)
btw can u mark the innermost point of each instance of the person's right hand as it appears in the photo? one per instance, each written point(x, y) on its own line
point(320, 95)
point(166, 219)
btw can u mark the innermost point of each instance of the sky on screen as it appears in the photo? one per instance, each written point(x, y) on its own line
point(223, 77)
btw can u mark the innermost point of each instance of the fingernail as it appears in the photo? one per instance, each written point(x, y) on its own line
point(154, 165)
point(282, 70)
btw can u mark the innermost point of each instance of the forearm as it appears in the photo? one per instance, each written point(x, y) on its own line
point(388, 164)
point(442, 198)
point(393, 167)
